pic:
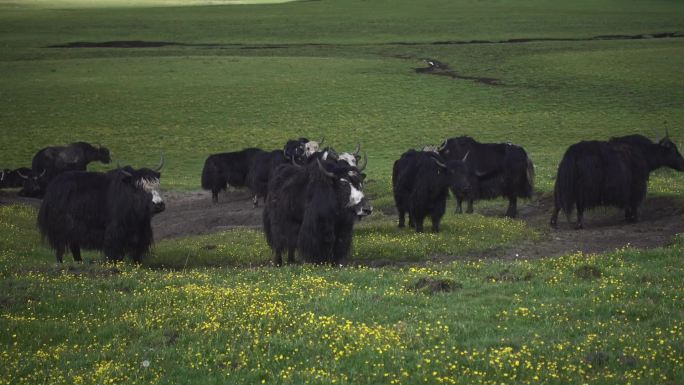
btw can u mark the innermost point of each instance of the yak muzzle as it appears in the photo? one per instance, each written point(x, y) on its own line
point(158, 207)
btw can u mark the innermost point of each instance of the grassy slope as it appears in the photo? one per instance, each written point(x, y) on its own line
point(93, 324)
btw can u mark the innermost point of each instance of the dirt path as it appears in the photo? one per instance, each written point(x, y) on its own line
point(193, 213)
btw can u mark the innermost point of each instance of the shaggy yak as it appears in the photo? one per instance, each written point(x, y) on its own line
point(500, 169)
point(109, 211)
point(420, 183)
point(610, 173)
point(312, 209)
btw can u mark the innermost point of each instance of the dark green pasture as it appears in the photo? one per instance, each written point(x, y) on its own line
point(212, 78)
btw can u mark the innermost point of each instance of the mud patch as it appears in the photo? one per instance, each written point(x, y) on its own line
point(508, 276)
point(588, 272)
point(438, 68)
point(605, 229)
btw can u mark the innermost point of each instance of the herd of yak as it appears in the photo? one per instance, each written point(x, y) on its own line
point(313, 195)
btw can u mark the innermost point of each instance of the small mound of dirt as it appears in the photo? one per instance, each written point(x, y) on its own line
point(588, 272)
point(429, 285)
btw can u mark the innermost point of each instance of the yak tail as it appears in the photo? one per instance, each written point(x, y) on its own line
point(564, 193)
point(529, 183)
point(209, 174)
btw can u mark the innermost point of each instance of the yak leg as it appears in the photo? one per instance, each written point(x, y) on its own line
point(418, 223)
point(459, 207)
point(255, 201)
point(76, 252)
point(436, 218)
point(554, 216)
point(59, 254)
point(469, 210)
point(214, 195)
point(580, 217)
point(631, 214)
point(278, 259)
point(512, 207)
point(291, 255)
point(402, 215)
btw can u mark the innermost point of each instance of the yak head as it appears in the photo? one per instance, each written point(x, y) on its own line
point(311, 147)
point(457, 173)
point(670, 154)
point(33, 183)
point(349, 182)
point(102, 154)
point(145, 181)
point(455, 148)
point(353, 158)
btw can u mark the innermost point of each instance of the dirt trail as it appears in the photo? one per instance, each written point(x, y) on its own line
point(193, 213)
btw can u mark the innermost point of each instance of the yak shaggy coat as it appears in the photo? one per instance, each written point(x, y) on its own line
point(110, 212)
point(313, 211)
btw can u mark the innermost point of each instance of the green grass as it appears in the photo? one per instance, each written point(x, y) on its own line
point(208, 309)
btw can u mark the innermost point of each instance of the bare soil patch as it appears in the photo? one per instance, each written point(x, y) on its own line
point(438, 68)
point(661, 218)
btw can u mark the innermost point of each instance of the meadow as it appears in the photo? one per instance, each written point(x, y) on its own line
point(210, 309)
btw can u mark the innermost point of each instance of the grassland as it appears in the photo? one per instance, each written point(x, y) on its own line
point(260, 74)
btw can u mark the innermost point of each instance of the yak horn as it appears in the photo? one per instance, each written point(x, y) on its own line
point(440, 164)
point(161, 163)
point(442, 146)
point(322, 141)
point(365, 162)
point(465, 157)
point(118, 166)
point(22, 175)
point(2, 175)
point(323, 170)
point(358, 149)
point(42, 173)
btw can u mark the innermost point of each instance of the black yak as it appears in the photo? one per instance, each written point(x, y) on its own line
point(421, 182)
point(109, 211)
point(312, 209)
point(227, 169)
point(500, 169)
point(49, 162)
point(260, 171)
point(613, 173)
point(14, 178)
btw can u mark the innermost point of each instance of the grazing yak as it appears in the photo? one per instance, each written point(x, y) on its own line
point(421, 182)
point(49, 162)
point(227, 169)
point(499, 169)
point(312, 209)
point(13, 178)
point(109, 211)
point(613, 173)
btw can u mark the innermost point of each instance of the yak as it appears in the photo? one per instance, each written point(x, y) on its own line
point(260, 171)
point(110, 212)
point(610, 173)
point(421, 182)
point(13, 178)
point(500, 169)
point(312, 209)
point(51, 161)
point(227, 169)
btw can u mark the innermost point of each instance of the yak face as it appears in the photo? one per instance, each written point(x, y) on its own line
point(311, 148)
point(146, 182)
point(103, 155)
point(458, 176)
point(349, 186)
point(349, 158)
point(32, 183)
point(670, 154)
